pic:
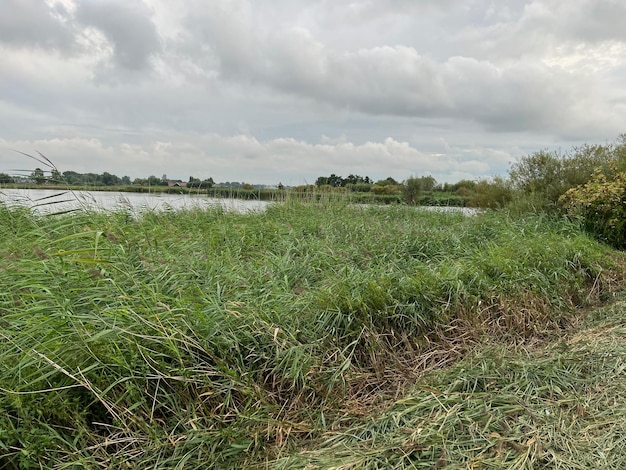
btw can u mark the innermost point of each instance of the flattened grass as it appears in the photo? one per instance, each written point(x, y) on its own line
point(560, 406)
point(205, 338)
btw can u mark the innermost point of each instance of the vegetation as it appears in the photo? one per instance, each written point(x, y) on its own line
point(559, 406)
point(4, 178)
point(320, 333)
point(213, 339)
point(601, 206)
point(544, 177)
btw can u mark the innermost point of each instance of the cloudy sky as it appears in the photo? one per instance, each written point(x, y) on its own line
point(264, 91)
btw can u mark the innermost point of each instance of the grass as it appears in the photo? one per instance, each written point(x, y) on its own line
point(200, 339)
point(559, 406)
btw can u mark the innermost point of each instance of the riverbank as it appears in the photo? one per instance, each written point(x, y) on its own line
point(302, 193)
point(213, 339)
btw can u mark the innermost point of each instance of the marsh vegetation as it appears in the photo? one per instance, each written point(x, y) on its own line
point(200, 338)
point(320, 333)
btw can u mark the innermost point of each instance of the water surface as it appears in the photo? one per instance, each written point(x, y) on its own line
point(49, 201)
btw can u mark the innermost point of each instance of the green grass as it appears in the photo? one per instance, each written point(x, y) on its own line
point(200, 339)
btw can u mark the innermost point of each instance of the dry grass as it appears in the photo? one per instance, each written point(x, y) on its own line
point(559, 406)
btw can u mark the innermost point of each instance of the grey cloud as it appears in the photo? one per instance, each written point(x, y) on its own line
point(247, 89)
point(127, 25)
point(33, 23)
point(394, 80)
point(544, 27)
point(578, 20)
point(399, 81)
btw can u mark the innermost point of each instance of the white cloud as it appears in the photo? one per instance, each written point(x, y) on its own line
point(245, 158)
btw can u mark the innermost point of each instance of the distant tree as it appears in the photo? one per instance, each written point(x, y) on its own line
point(463, 185)
point(492, 193)
point(335, 181)
point(107, 179)
point(4, 178)
point(321, 181)
point(125, 180)
point(387, 181)
point(72, 178)
point(412, 190)
point(193, 182)
point(38, 175)
point(55, 176)
point(91, 179)
point(355, 179)
point(207, 183)
point(155, 181)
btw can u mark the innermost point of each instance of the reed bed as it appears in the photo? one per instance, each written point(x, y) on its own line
point(210, 339)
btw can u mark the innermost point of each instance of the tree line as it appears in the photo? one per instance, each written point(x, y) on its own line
point(586, 183)
point(73, 178)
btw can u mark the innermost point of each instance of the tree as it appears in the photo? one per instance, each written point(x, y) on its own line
point(332, 180)
point(39, 176)
point(154, 181)
point(336, 181)
point(72, 178)
point(207, 183)
point(107, 179)
point(4, 178)
point(494, 193)
point(545, 175)
point(356, 179)
point(412, 190)
point(194, 182)
point(387, 182)
point(55, 176)
point(413, 187)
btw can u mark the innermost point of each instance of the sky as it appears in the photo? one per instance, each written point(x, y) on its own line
point(269, 91)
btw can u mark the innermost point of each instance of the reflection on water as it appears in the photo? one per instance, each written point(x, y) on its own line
point(49, 201)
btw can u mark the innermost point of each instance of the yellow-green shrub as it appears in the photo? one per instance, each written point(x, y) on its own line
point(601, 205)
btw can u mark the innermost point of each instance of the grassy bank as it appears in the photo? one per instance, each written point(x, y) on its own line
point(199, 339)
point(561, 405)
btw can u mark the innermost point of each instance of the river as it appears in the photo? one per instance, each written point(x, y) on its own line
point(50, 201)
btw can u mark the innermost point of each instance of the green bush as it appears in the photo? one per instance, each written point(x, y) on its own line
point(601, 205)
point(492, 194)
point(545, 176)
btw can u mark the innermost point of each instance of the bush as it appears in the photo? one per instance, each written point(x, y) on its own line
point(493, 194)
point(601, 206)
point(546, 175)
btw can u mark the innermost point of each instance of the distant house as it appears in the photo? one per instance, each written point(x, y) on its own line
point(177, 184)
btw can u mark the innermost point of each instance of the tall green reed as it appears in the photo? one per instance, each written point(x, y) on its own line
point(198, 338)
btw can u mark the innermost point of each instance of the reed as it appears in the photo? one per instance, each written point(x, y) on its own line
point(200, 339)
